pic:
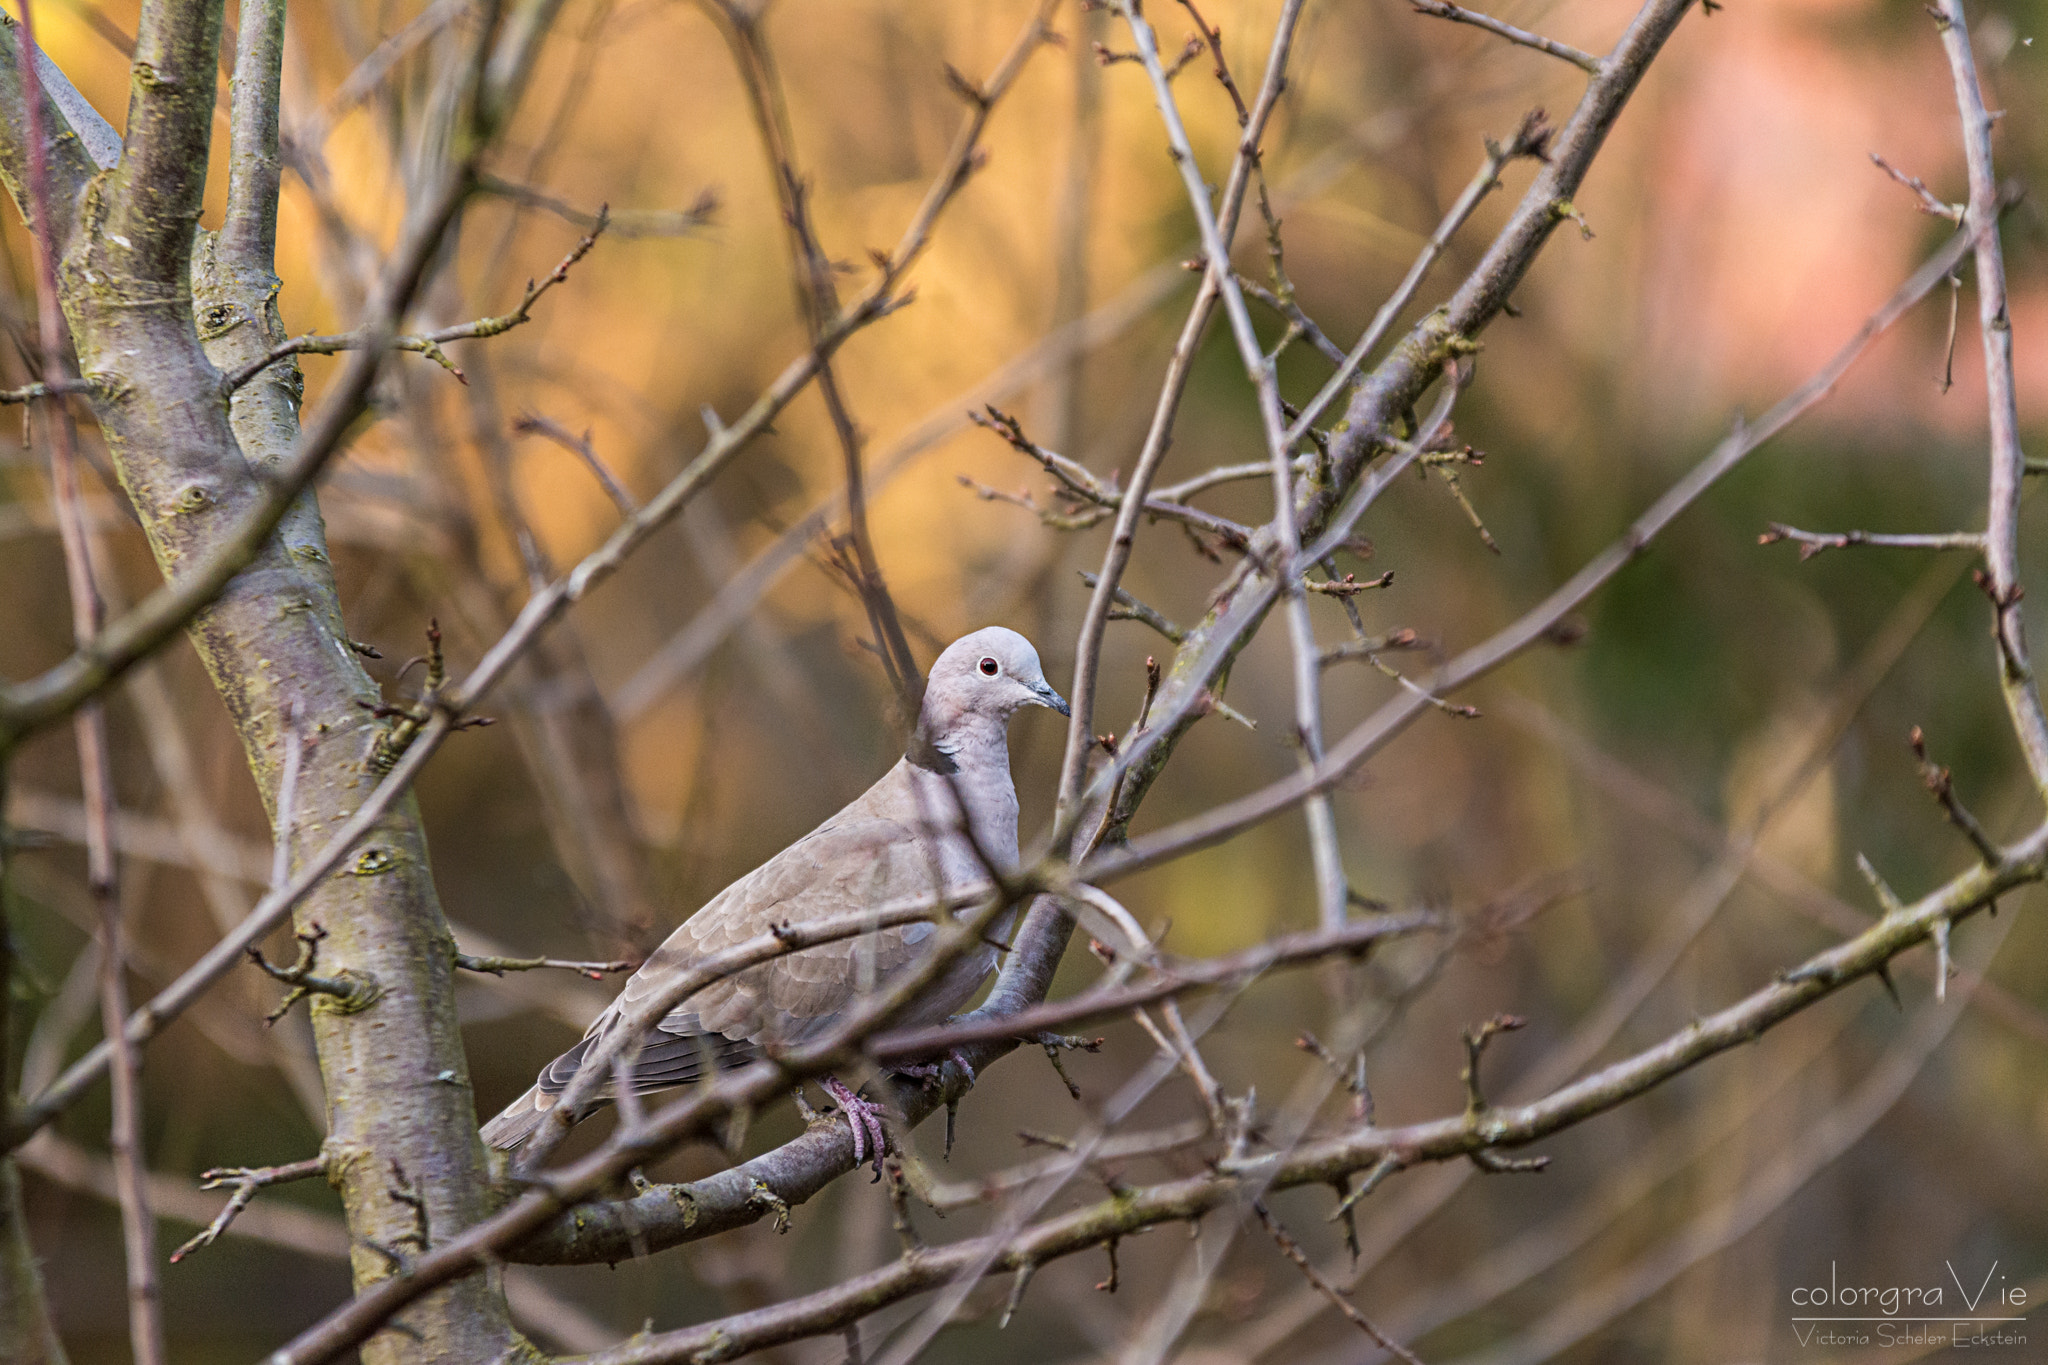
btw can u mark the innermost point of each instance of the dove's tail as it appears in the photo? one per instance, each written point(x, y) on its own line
point(519, 1121)
point(664, 1062)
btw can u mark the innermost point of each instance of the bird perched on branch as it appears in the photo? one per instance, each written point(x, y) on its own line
point(924, 829)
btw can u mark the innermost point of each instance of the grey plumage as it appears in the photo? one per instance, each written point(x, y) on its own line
point(901, 838)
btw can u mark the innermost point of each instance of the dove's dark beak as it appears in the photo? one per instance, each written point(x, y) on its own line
point(1047, 697)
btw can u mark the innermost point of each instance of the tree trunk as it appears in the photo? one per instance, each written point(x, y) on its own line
point(152, 319)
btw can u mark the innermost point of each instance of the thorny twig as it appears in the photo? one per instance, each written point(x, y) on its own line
point(1942, 786)
point(1475, 1102)
point(2007, 458)
point(1293, 1252)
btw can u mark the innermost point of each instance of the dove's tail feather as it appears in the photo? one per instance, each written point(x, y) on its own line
point(665, 1061)
point(517, 1122)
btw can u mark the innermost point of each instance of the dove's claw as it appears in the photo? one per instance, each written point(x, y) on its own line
point(863, 1116)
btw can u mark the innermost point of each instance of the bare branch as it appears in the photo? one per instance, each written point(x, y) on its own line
point(375, 69)
point(1028, 973)
point(1532, 139)
point(59, 690)
point(579, 446)
point(628, 223)
point(1534, 624)
point(2008, 460)
point(270, 912)
point(153, 197)
point(1812, 543)
point(351, 990)
point(1308, 724)
point(1942, 787)
point(1298, 320)
point(428, 344)
point(1129, 608)
point(498, 966)
point(138, 1228)
point(1930, 203)
point(1320, 1161)
point(249, 223)
point(1457, 14)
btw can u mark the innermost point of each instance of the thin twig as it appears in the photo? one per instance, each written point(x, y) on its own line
point(131, 1165)
point(2008, 460)
point(61, 688)
point(1320, 1160)
point(29, 393)
point(1029, 973)
point(428, 344)
point(1457, 14)
point(819, 302)
point(628, 223)
point(498, 966)
point(1129, 608)
point(1293, 1252)
point(1532, 139)
point(1941, 785)
point(1308, 725)
point(1287, 308)
point(247, 1180)
point(1812, 543)
point(535, 424)
point(1930, 203)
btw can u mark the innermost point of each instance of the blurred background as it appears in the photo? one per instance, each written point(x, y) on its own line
point(1640, 827)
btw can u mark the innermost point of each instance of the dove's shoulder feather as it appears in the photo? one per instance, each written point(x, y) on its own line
point(874, 851)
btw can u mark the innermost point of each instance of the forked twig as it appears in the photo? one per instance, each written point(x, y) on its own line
point(247, 1180)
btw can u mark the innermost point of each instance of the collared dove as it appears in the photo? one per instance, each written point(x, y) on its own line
point(900, 839)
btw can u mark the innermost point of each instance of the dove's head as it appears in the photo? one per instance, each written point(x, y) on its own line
point(990, 675)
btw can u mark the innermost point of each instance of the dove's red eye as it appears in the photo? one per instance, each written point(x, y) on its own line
point(990, 667)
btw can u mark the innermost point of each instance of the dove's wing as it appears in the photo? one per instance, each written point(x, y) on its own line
point(848, 866)
point(882, 848)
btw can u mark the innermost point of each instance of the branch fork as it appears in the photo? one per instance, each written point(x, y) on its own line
point(352, 991)
point(1476, 1040)
point(410, 718)
point(246, 1180)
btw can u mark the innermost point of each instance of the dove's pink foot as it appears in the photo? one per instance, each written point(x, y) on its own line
point(864, 1117)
